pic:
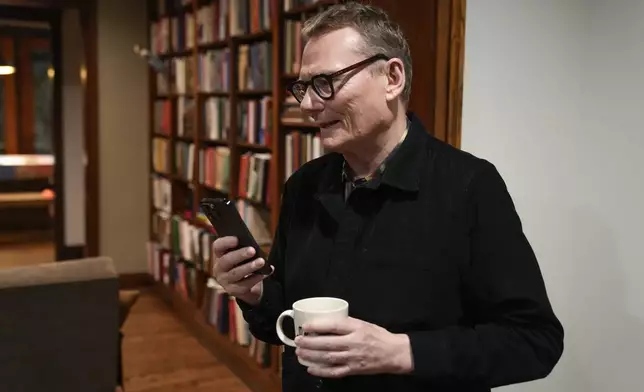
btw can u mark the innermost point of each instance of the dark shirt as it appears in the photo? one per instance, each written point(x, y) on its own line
point(352, 182)
point(433, 248)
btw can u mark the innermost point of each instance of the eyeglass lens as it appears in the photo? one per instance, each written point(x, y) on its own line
point(320, 84)
point(323, 87)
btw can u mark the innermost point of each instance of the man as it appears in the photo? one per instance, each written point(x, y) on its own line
point(422, 240)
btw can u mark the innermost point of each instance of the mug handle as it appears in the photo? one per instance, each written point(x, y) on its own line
point(278, 327)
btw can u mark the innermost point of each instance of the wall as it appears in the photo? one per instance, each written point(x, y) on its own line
point(73, 130)
point(123, 134)
point(553, 96)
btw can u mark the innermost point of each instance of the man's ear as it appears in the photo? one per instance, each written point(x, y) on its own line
point(395, 73)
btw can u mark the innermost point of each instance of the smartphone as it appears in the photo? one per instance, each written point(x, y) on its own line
point(224, 217)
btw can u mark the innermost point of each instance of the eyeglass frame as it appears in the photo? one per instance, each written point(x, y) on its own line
point(330, 77)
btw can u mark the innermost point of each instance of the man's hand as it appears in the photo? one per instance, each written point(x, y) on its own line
point(237, 278)
point(354, 347)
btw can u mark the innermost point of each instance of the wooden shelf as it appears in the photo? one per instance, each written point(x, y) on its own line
point(213, 45)
point(296, 12)
point(184, 195)
point(234, 356)
point(253, 146)
point(254, 93)
point(436, 47)
point(252, 37)
point(206, 94)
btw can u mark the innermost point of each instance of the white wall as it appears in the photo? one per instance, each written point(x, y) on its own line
point(73, 128)
point(554, 97)
point(123, 134)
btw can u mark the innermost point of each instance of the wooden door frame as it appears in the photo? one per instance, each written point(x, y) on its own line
point(449, 70)
point(437, 51)
point(89, 27)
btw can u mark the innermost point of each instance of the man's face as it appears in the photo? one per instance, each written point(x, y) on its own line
point(359, 106)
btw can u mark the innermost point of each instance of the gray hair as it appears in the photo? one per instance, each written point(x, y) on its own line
point(379, 33)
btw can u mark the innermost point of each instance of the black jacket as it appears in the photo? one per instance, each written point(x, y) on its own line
point(434, 249)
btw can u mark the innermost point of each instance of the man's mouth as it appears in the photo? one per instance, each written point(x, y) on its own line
point(328, 124)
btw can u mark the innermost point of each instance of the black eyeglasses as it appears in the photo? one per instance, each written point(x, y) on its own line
point(323, 83)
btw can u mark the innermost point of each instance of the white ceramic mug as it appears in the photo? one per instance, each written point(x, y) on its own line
point(309, 309)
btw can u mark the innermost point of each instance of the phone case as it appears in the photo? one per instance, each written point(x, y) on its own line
point(224, 217)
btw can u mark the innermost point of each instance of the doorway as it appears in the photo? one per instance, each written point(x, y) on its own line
point(29, 127)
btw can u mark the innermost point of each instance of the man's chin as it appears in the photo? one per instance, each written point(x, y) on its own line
point(331, 144)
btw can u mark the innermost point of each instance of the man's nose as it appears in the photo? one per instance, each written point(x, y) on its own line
point(311, 104)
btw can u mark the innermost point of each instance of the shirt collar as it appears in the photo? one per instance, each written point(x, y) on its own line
point(405, 167)
point(347, 173)
point(402, 168)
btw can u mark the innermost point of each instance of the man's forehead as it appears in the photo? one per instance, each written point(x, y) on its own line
point(328, 53)
point(325, 65)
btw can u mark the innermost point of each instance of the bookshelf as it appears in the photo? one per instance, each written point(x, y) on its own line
point(222, 124)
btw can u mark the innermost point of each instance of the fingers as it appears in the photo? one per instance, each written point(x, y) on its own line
point(242, 271)
point(330, 371)
point(330, 326)
point(323, 343)
point(233, 269)
point(223, 245)
point(324, 358)
point(243, 286)
point(233, 258)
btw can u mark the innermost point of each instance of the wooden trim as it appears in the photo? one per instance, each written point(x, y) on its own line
point(89, 26)
point(450, 48)
point(456, 67)
point(276, 172)
point(70, 252)
point(57, 131)
point(442, 68)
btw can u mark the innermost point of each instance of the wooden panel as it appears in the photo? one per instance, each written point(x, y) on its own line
point(435, 32)
point(457, 61)
point(417, 20)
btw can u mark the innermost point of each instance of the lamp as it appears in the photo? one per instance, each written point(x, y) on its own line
point(6, 68)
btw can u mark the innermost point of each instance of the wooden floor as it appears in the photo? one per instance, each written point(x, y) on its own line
point(160, 355)
point(17, 255)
